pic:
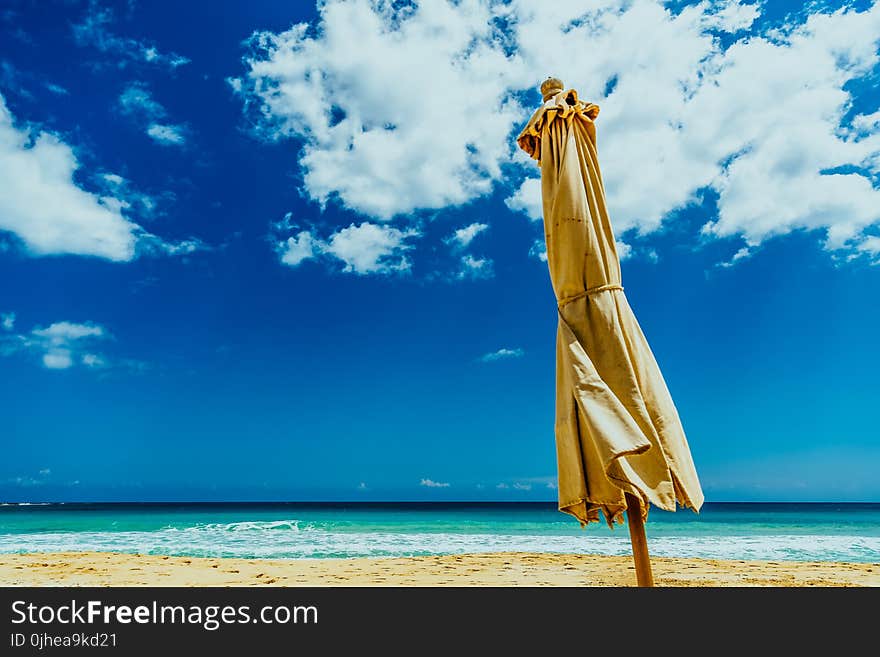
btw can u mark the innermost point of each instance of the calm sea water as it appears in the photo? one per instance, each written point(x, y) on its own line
point(822, 532)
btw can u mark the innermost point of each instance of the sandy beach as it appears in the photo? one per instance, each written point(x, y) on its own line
point(493, 569)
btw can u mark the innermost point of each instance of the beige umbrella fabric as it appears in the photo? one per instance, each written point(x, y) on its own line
point(617, 428)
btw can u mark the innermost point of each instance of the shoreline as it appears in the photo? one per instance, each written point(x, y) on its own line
point(476, 569)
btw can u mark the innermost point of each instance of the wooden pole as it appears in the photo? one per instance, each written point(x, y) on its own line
point(644, 576)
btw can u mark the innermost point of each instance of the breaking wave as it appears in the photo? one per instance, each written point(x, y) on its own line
point(298, 539)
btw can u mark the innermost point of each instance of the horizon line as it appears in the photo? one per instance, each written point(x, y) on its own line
point(420, 502)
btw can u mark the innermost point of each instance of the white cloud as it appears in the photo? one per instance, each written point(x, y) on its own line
point(401, 108)
point(730, 15)
point(522, 486)
point(93, 360)
point(470, 266)
point(42, 204)
point(61, 333)
point(94, 31)
point(57, 359)
point(430, 483)
point(57, 89)
point(127, 198)
point(464, 236)
point(113, 179)
point(7, 321)
point(474, 268)
point(527, 199)
point(501, 354)
point(744, 252)
point(369, 248)
point(64, 345)
point(152, 245)
point(871, 246)
point(866, 123)
point(364, 248)
point(758, 120)
point(502, 486)
point(624, 250)
point(166, 134)
point(59, 344)
point(298, 248)
point(138, 102)
point(26, 481)
point(539, 250)
point(407, 108)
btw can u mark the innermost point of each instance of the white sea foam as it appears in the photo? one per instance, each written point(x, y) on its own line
point(26, 503)
point(293, 539)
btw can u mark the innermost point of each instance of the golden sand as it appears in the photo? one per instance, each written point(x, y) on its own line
point(493, 569)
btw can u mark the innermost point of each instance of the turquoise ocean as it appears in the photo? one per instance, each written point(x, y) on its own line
point(808, 532)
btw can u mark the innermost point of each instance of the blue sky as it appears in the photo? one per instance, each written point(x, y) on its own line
point(258, 251)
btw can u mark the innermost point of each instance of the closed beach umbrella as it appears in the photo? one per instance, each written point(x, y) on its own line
point(620, 445)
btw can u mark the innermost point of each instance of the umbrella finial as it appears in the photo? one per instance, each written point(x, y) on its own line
point(550, 87)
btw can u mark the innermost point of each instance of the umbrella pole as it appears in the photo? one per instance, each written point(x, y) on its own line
point(644, 576)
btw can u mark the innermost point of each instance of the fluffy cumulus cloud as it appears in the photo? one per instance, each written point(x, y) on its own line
point(502, 354)
point(527, 199)
point(368, 248)
point(762, 121)
point(50, 213)
point(46, 209)
point(96, 30)
point(137, 102)
point(59, 346)
point(399, 108)
point(365, 248)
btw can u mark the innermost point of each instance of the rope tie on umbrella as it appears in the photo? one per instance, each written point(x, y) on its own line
point(589, 292)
